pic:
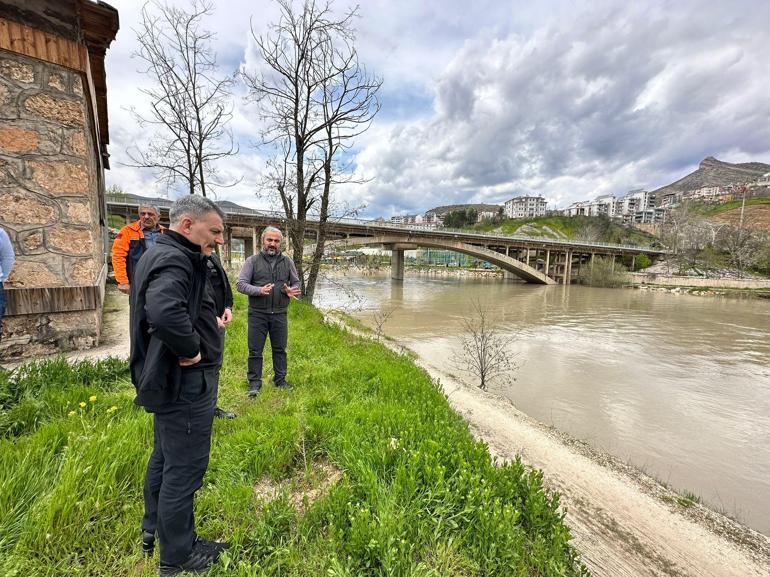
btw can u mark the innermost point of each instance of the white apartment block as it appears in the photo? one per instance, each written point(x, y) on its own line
point(525, 207)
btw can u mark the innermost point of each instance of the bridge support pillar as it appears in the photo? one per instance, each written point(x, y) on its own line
point(397, 264)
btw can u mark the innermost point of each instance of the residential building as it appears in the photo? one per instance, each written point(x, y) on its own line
point(525, 207)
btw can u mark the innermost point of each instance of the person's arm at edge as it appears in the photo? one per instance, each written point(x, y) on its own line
point(7, 257)
point(119, 256)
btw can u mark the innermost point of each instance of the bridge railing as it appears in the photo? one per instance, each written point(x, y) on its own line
point(117, 199)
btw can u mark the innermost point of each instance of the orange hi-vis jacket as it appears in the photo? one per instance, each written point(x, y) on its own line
point(127, 249)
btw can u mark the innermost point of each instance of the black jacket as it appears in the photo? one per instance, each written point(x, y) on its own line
point(223, 292)
point(166, 296)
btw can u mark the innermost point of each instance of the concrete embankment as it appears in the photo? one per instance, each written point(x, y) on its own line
point(637, 278)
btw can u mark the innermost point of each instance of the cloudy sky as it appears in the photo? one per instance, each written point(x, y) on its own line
point(488, 100)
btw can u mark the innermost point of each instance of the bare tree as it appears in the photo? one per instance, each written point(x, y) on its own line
point(742, 243)
point(686, 234)
point(315, 98)
point(380, 317)
point(484, 349)
point(190, 102)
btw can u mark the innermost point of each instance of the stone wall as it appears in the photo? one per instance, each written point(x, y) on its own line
point(639, 278)
point(50, 203)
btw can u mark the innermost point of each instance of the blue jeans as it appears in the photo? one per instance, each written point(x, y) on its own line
point(2, 309)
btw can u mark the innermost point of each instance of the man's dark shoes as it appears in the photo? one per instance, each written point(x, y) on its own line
point(217, 546)
point(222, 414)
point(284, 385)
point(201, 559)
point(254, 389)
point(148, 543)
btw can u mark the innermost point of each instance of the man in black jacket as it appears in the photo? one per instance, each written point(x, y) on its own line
point(176, 352)
point(270, 279)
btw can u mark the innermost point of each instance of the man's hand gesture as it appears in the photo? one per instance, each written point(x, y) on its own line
point(293, 293)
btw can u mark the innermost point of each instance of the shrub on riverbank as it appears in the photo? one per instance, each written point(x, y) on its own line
point(603, 273)
point(362, 469)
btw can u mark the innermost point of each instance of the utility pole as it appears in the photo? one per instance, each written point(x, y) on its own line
point(743, 206)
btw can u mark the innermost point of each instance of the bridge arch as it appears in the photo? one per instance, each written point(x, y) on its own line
point(507, 263)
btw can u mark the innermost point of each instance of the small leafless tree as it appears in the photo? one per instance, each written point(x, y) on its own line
point(484, 349)
point(380, 317)
point(190, 101)
point(315, 98)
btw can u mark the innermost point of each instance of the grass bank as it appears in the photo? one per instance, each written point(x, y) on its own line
point(362, 469)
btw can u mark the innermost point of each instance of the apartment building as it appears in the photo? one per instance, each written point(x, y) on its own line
point(525, 207)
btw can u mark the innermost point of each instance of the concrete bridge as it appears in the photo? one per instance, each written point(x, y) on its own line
point(533, 259)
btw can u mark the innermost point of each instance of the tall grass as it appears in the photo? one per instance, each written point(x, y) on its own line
point(416, 494)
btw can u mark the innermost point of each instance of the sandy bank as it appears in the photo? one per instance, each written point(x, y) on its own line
point(624, 523)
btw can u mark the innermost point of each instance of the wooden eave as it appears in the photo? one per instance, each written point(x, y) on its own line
point(99, 24)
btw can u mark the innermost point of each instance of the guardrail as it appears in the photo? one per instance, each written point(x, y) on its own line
point(381, 225)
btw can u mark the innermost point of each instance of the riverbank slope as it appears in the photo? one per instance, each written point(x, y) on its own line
point(624, 523)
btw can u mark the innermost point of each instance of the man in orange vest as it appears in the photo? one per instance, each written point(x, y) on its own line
point(132, 242)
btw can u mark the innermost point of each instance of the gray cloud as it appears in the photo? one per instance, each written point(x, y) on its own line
point(493, 99)
point(614, 98)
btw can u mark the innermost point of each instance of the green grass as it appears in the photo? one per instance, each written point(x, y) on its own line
point(715, 209)
point(414, 494)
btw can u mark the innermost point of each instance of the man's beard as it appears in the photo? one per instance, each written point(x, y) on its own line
point(271, 251)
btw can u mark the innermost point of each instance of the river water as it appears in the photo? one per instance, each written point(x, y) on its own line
point(677, 385)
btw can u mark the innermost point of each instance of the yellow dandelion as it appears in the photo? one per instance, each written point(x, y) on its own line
point(71, 414)
point(112, 409)
point(82, 404)
point(92, 398)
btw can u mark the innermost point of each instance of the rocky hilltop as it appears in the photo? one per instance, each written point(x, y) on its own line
point(713, 172)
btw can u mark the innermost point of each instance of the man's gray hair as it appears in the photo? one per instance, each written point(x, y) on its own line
point(154, 207)
point(193, 206)
point(271, 229)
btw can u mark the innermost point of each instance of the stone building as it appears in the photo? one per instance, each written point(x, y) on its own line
point(53, 139)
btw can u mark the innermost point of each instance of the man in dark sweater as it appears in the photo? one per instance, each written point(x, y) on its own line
point(270, 280)
point(176, 352)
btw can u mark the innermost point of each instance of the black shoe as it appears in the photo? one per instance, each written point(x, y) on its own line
point(217, 546)
point(254, 389)
point(148, 543)
point(200, 560)
point(222, 414)
point(284, 385)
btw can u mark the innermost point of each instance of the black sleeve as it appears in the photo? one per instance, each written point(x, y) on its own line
point(228, 293)
point(168, 292)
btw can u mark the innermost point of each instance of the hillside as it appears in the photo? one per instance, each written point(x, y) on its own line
point(444, 210)
point(586, 228)
point(713, 172)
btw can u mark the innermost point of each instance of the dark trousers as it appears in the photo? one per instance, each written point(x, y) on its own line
point(2, 309)
point(260, 326)
point(180, 457)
